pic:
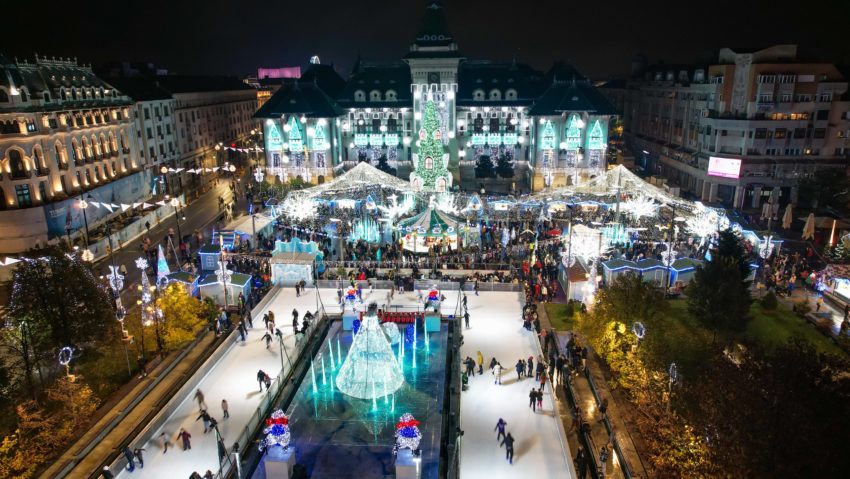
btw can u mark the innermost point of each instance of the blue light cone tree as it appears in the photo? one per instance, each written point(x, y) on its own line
point(370, 370)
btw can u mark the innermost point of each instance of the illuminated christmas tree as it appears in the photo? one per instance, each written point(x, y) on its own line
point(431, 165)
point(161, 268)
point(370, 370)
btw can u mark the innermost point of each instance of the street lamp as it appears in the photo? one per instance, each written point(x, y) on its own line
point(176, 204)
point(164, 171)
point(83, 205)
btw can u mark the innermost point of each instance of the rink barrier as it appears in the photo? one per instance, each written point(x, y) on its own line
point(425, 284)
point(453, 420)
point(151, 426)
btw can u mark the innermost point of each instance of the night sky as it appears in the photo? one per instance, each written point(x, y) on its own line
point(600, 37)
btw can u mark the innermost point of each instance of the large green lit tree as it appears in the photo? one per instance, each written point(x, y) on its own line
point(431, 172)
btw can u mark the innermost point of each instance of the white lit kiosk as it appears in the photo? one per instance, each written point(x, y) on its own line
point(293, 261)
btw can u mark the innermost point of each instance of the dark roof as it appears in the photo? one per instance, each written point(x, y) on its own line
point(139, 88)
point(561, 72)
point(570, 96)
point(485, 75)
point(369, 76)
point(326, 77)
point(299, 98)
point(435, 30)
point(198, 83)
point(434, 54)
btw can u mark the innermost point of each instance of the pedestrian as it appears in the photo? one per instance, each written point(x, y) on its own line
point(199, 396)
point(106, 473)
point(540, 368)
point(139, 457)
point(206, 419)
point(584, 358)
point(224, 408)
point(480, 362)
point(520, 368)
point(464, 301)
point(164, 441)
point(532, 400)
point(195, 475)
point(128, 454)
point(508, 441)
point(242, 331)
point(530, 364)
point(818, 304)
point(543, 377)
point(603, 410)
point(540, 398)
point(268, 339)
point(466, 318)
point(475, 287)
point(249, 318)
point(500, 428)
point(297, 289)
point(581, 462)
point(268, 381)
point(261, 376)
point(184, 436)
point(497, 374)
point(603, 460)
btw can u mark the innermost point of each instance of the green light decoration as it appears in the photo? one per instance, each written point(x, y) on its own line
point(295, 139)
point(376, 140)
point(320, 142)
point(595, 139)
point(274, 138)
point(547, 141)
point(391, 139)
point(361, 139)
point(431, 173)
point(478, 139)
point(494, 139)
point(509, 139)
point(573, 134)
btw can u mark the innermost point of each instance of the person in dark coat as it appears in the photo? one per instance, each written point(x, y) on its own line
point(508, 441)
point(261, 376)
point(532, 400)
point(530, 364)
point(106, 473)
point(139, 456)
point(581, 462)
point(131, 460)
point(520, 368)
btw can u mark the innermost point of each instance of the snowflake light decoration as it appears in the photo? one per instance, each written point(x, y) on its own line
point(407, 435)
point(706, 221)
point(396, 209)
point(142, 263)
point(259, 175)
point(223, 274)
point(766, 248)
point(300, 208)
point(639, 207)
point(277, 431)
point(668, 256)
point(446, 202)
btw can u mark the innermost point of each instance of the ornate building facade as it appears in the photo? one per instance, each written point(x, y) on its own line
point(551, 127)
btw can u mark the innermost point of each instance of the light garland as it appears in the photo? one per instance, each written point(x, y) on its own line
point(431, 163)
point(639, 207)
point(277, 431)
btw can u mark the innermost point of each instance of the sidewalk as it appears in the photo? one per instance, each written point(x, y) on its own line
point(589, 404)
point(114, 428)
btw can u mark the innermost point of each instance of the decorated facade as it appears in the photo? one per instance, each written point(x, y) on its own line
point(546, 128)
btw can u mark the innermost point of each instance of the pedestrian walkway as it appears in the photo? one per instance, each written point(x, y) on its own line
point(540, 448)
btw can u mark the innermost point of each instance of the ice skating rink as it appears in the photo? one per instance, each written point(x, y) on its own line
point(495, 330)
point(540, 450)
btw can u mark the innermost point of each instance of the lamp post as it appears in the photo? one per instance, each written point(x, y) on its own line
point(83, 205)
point(569, 250)
point(116, 283)
point(148, 314)
point(168, 188)
point(176, 204)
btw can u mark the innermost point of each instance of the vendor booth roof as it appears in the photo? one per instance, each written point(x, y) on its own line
point(578, 272)
point(236, 279)
point(649, 263)
point(293, 258)
point(426, 221)
point(182, 276)
point(361, 176)
point(685, 263)
point(243, 224)
point(618, 263)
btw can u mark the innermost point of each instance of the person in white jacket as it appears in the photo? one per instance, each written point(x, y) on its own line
point(497, 374)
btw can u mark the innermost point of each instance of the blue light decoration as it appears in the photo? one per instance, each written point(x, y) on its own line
point(366, 229)
point(161, 268)
point(355, 326)
point(596, 138)
point(320, 142)
point(409, 334)
point(361, 139)
point(573, 139)
point(296, 142)
point(547, 141)
point(273, 137)
point(277, 431)
point(407, 433)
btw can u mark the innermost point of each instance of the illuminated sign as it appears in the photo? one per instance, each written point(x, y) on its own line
point(494, 139)
point(320, 143)
point(724, 167)
point(274, 138)
point(391, 139)
point(509, 139)
point(295, 141)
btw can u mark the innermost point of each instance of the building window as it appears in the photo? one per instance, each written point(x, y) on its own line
point(825, 97)
point(495, 95)
point(147, 114)
point(820, 133)
point(23, 194)
point(359, 95)
point(391, 95)
point(42, 191)
point(16, 164)
point(375, 95)
point(780, 133)
point(429, 163)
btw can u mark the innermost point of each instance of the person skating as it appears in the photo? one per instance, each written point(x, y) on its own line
point(466, 319)
point(543, 377)
point(185, 437)
point(106, 473)
point(268, 339)
point(530, 364)
point(464, 301)
point(508, 441)
point(208, 474)
point(475, 287)
point(206, 419)
point(480, 362)
point(225, 408)
point(131, 460)
point(261, 378)
point(520, 368)
point(540, 399)
point(195, 475)
point(492, 363)
point(138, 453)
point(532, 400)
point(497, 374)
point(540, 368)
point(500, 428)
point(199, 396)
point(470, 366)
point(164, 441)
point(267, 380)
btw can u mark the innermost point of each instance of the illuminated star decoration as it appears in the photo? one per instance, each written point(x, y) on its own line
point(407, 435)
point(142, 263)
point(277, 431)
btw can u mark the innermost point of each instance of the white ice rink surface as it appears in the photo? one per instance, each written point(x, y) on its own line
point(495, 330)
point(540, 451)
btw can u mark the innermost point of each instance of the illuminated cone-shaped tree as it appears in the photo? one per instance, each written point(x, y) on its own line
point(431, 163)
point(161, 268)
point(370, 370)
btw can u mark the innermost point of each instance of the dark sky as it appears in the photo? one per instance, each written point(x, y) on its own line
point(600, 37)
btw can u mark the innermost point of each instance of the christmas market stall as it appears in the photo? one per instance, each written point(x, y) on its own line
point(293, 261)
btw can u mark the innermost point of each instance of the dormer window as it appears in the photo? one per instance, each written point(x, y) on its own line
point(374, 95)
point(391, 95)
point(359, 95)
point(495, 95)
point(478, 95)
point(510, 94)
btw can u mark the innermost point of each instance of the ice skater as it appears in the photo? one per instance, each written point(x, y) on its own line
point(206, 419)
point(500, 428)
point(261, 377)
point(532, 400)
point(540, 399)
point(508, 441)
point(225, 408)
point(497, 373)
point(137, 452)
point(603, 460)
point(466, 319)
point(268, 339)
point(164, 441)
point(520, 368)
point(131, 460)
point(199, 396)
point(184, 436)
point(480, 362)
point(530, 364)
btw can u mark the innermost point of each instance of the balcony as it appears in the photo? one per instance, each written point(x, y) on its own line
point(41, 171)
point(20, 175)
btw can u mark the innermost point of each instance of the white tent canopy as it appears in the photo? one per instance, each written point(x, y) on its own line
point(362, 175)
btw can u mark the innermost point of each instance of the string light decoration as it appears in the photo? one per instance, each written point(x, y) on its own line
point(277, 431)
point(259, 175)
point(639, 207)
point(370, 370)
point(706, 221)
point(391, 330)
point(299, 208)
point(430, 172)
point(407, 434)
point(162, 270)
point(446, 202)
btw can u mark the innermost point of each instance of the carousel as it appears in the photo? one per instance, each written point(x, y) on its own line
point(430, 228)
